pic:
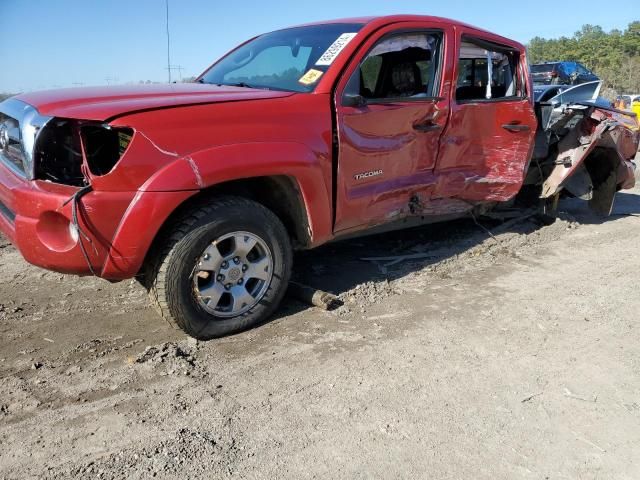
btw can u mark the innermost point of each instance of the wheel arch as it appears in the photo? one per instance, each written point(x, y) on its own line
point(289, 178)
point(279, 193)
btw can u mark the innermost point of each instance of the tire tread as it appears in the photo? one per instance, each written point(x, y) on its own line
point(160, 267)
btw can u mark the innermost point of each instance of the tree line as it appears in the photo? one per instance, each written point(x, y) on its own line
point(614, 56)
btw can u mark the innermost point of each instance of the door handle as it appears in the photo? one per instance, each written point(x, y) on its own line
point(516, 127)
point(426, 127)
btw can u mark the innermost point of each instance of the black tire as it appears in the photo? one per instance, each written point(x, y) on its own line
point(169, 273)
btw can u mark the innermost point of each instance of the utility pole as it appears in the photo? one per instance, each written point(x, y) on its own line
point(168, 43)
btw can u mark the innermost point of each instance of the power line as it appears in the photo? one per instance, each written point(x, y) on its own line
point(178, 68)
point(168, 43)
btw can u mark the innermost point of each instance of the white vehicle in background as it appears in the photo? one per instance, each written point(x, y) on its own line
point(625, 102)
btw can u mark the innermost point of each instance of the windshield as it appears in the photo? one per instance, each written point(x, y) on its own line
point(291, 60)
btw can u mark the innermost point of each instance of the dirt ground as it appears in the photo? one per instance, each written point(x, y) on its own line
point(510, 357)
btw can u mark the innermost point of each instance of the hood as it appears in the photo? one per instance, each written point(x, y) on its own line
point(105, 103)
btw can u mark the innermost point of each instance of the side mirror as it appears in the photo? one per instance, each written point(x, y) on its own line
point(353, 100)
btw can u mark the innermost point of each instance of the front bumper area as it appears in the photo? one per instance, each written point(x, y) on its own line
point(121, 226)
point(34, 218)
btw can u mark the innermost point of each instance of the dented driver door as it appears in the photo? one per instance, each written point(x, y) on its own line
point(390, 117)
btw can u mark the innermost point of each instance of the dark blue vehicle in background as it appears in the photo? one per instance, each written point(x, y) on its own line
point(561, 73)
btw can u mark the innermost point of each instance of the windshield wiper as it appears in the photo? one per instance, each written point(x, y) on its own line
point(237, 84)
point(243, 85)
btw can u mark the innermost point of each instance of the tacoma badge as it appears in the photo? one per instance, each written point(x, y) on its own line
point(362, 176)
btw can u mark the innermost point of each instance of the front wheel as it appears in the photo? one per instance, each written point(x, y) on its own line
point(224, 268)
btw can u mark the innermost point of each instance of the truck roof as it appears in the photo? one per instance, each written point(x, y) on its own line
point(388, 19)
point(375, 22)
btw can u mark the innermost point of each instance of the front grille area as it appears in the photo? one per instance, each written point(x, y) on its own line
point(11, 151)
point(20, 124)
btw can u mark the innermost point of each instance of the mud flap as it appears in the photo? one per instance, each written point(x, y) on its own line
point(579, 184)
point(604, 195)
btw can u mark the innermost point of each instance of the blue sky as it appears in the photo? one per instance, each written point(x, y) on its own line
point(61, 43)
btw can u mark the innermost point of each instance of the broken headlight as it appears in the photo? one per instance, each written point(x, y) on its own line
point(58, 154)
point(64, 146)
point(104, 146)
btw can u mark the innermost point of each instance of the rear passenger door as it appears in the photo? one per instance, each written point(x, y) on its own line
point(486, 147)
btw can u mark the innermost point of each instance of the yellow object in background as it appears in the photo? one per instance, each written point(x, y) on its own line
point(635, 107)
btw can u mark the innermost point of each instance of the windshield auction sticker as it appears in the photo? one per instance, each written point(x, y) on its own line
point(312, 76)
point(336, 47)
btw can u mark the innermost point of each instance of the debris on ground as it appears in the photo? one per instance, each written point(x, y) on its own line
point(446, 351)
point(314, 296)
point(187, 450)
point(174, 357)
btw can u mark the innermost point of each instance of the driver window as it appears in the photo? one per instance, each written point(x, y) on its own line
point(399, 66)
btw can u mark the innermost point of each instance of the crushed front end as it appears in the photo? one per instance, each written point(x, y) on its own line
point(43, 163)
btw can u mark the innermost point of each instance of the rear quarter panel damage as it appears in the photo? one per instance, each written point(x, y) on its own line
point(604, 143)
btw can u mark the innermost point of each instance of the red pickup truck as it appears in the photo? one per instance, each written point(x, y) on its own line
point(295, 138)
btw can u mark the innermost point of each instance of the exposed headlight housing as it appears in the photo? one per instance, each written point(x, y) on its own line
point(104, 146)
point(64, 144)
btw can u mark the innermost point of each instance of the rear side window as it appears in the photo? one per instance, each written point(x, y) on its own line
point(488, 71)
